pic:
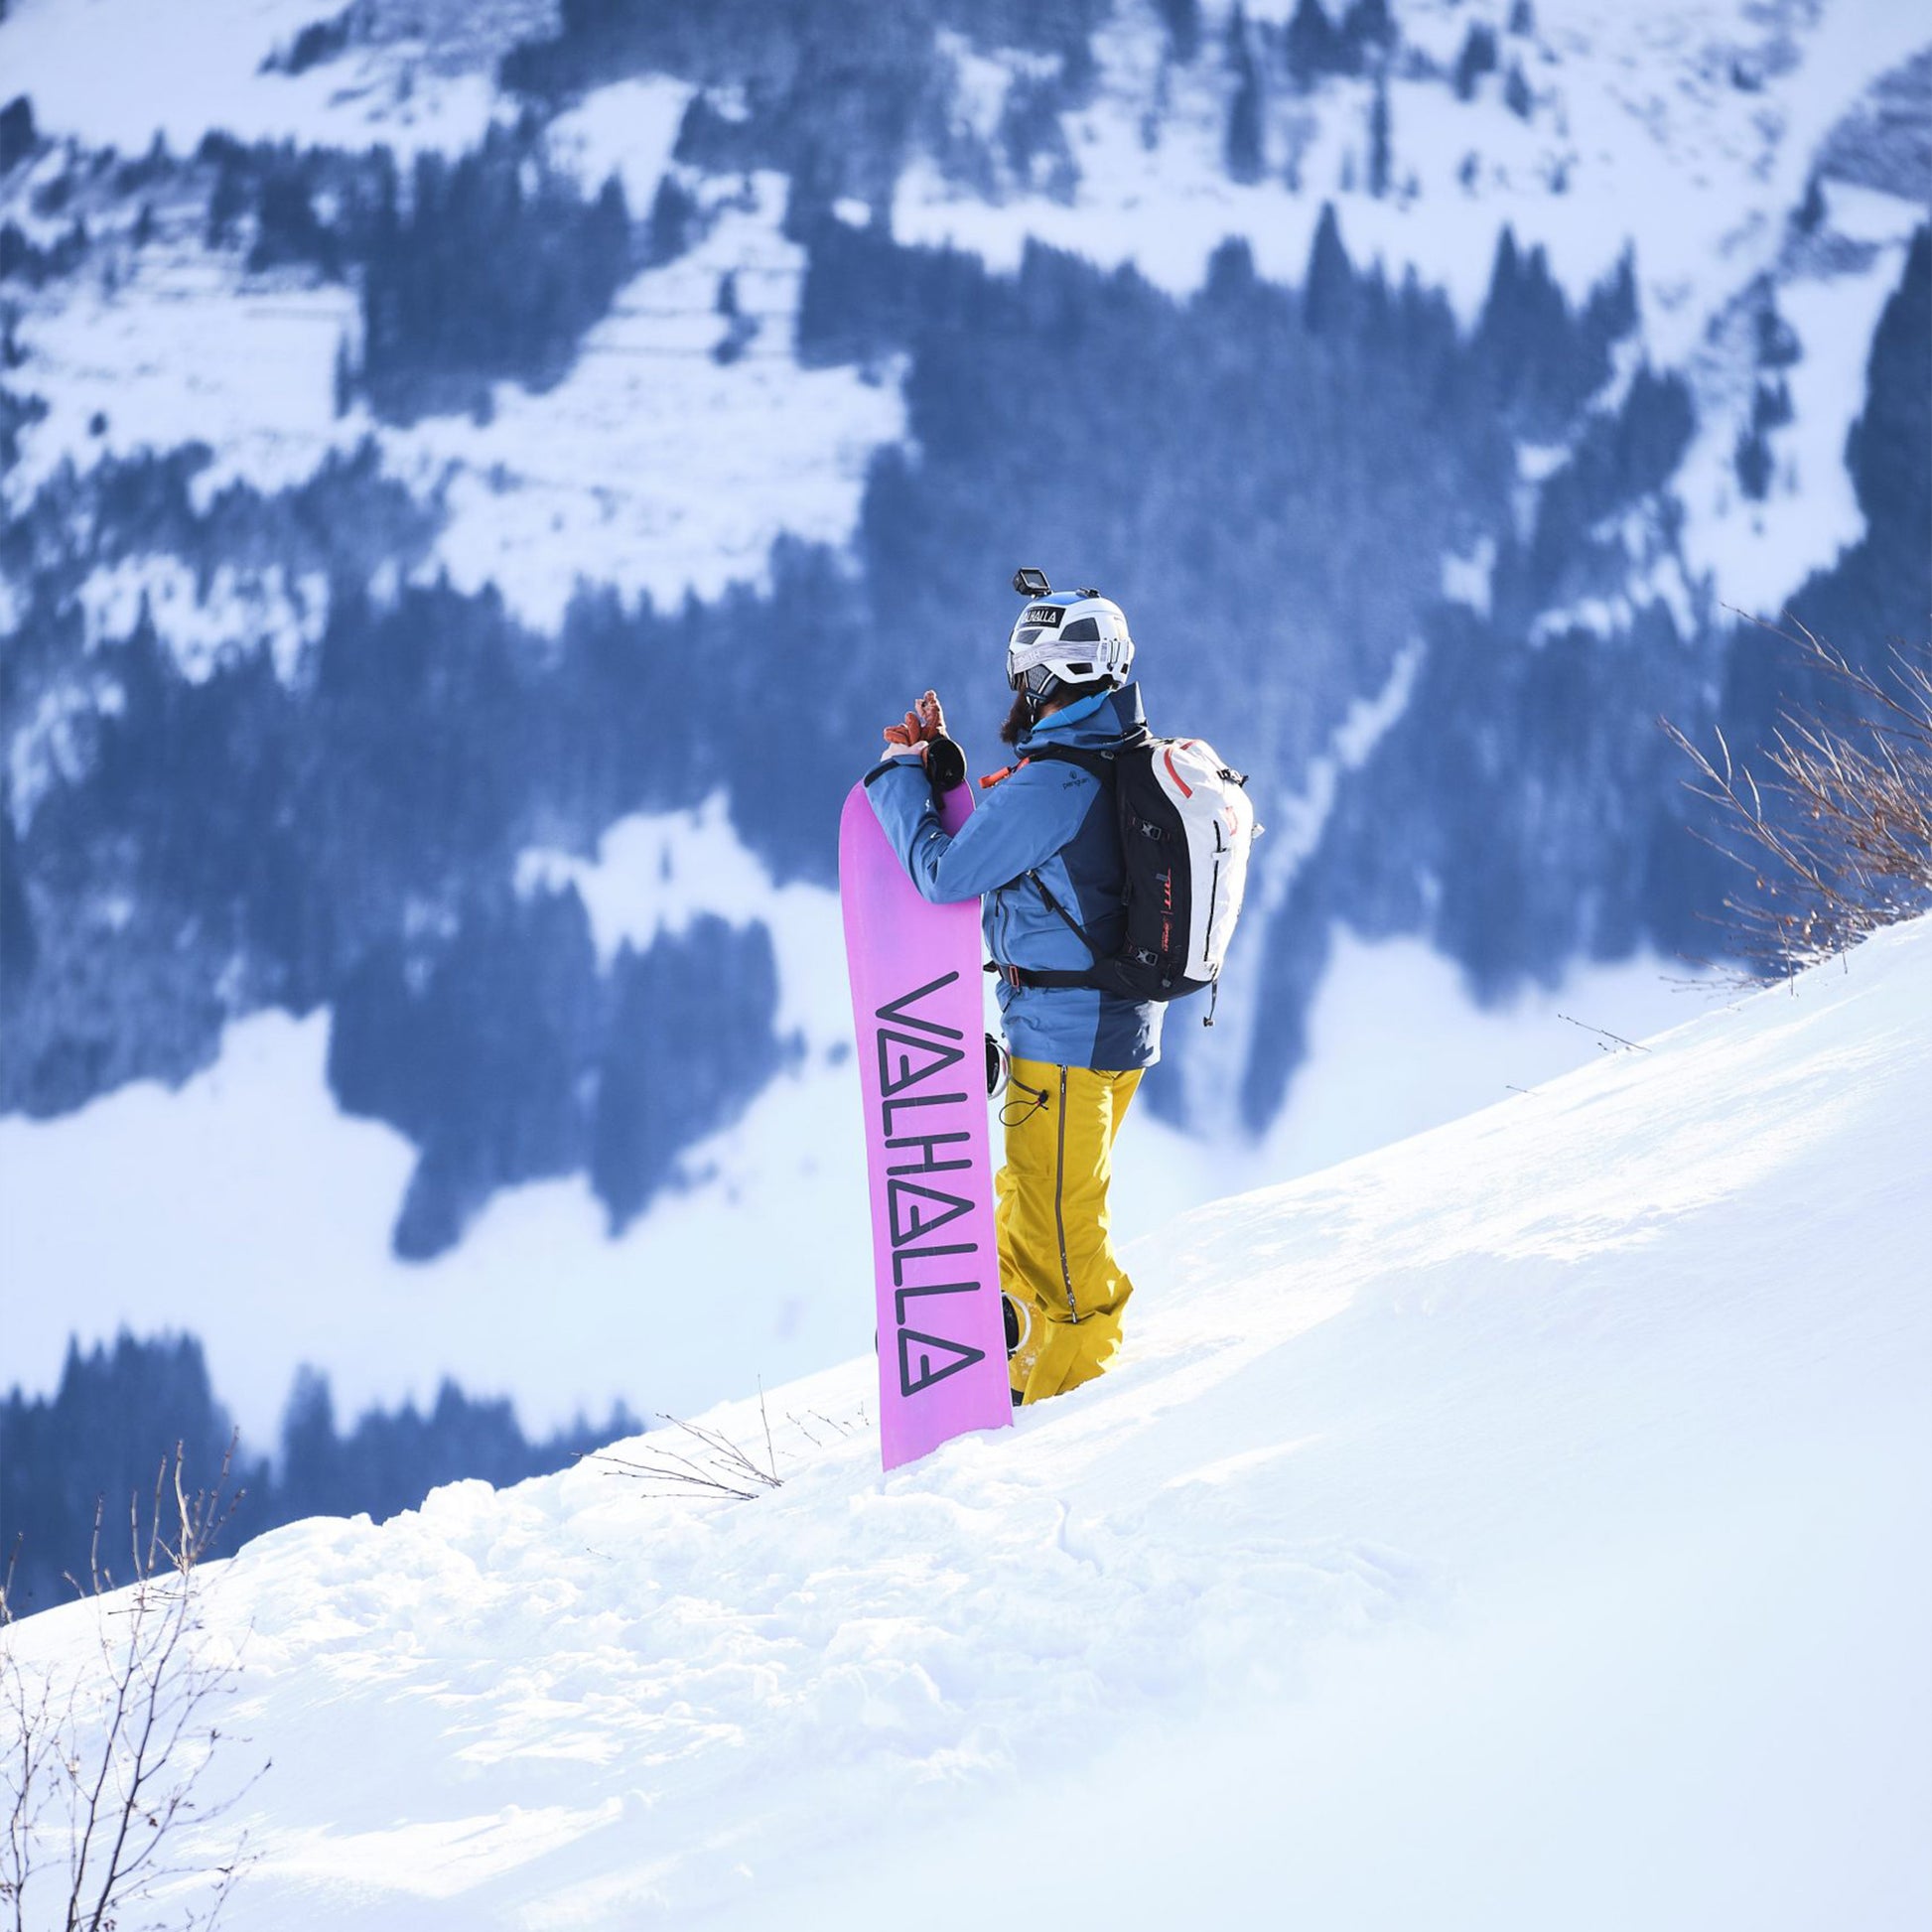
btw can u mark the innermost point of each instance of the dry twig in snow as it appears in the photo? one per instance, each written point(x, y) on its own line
point(109, 1760)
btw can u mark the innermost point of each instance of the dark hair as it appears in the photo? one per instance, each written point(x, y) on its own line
point(1020, 720)
point(1074, 693)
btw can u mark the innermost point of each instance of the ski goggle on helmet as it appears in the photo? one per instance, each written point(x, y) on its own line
point(1066, 637)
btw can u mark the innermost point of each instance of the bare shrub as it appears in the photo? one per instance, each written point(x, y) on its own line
point(714, 1466)
point(108, 1757)
point(1837, 839)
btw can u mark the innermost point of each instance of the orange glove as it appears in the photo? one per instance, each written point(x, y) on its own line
point(923, 724)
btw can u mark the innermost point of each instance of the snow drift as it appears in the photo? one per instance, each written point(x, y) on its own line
point(1521, 1526)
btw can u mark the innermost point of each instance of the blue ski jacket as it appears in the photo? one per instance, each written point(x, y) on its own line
point(1051, 817)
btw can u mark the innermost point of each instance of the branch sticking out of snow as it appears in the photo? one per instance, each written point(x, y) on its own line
point(717, 1466)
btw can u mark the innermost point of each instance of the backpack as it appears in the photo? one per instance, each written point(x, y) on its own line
point(1187, 827)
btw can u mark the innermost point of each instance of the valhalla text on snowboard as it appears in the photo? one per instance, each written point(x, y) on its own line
point(912, 1051)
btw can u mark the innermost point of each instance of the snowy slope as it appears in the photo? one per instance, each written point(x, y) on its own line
point(1684, 131)
point(181, 70)
point(1518, 1527)
point(253, 1163)
point(652, 467)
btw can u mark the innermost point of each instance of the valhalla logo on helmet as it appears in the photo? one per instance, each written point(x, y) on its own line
point(1042, 614)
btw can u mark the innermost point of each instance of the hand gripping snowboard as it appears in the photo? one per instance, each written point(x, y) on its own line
point(915, 1000)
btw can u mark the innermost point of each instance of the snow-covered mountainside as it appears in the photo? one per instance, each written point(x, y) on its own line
point(244, 1209)
point(1517, 1527)
point(474, 477)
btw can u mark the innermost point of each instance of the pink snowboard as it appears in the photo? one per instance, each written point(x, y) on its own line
point(916, 998)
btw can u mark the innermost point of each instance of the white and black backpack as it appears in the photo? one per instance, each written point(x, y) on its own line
point(1187, 827)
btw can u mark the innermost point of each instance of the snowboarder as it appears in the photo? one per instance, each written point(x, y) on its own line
point(1042, 852)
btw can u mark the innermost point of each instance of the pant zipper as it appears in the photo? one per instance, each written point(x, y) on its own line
point(1059, 1217)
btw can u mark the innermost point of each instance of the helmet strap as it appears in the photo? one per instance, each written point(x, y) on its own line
point(1037, 695)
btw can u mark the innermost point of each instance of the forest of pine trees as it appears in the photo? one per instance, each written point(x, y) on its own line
point(1338, 438)
point(120, 1409)
point(495, 270)
point(485, 268)
point(1304, 456)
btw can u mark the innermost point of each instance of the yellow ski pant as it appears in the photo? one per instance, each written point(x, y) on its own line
point(1057, 1266)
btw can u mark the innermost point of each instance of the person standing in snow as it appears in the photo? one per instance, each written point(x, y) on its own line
point(1042, 854)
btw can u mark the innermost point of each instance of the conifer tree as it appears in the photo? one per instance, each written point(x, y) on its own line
point(1312, 46)
point(673, 217)
point(1652, 431)
point(1367, 33)
point(311, 1475)
point(1890, 448)
point(18, 947)
point(487, 277)
point(17, 133)
point(1378, 139)
point(1772, 405)
point(1244, 134)
point(1776, 341)
point(1327, 299)
point(1183, 24)
point(1811, 211)
point(1611, 311)
point(228, 199)
point(1477, 58)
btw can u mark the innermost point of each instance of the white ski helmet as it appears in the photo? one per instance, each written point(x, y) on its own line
point(1067, 637)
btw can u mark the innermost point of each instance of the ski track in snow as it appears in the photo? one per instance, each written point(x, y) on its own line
point(1516, 1494)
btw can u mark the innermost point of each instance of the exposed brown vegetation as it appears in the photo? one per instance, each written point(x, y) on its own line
point(1838, 838)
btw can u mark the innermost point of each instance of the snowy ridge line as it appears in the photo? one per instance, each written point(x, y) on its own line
point(1504, 1452)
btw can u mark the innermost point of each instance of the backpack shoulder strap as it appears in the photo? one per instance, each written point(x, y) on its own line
point(1098, 765)
point(1103, 764)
